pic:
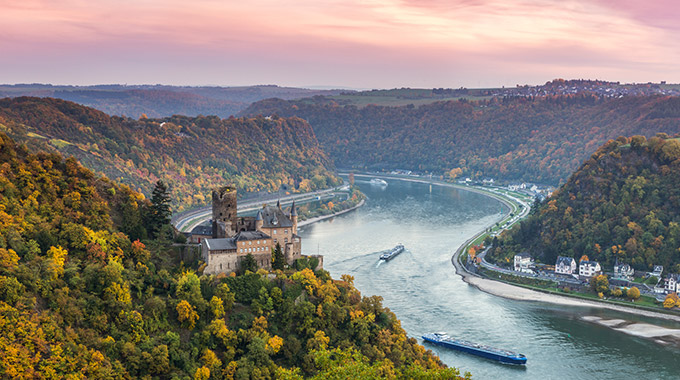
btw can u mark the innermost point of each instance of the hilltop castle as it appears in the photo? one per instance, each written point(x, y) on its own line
point(232, 238)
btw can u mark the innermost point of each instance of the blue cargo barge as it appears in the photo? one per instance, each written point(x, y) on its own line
point(501, 355)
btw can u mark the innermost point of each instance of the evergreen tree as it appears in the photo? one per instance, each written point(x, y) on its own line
point(248, 263)
point(159, 212)
point(278, 261)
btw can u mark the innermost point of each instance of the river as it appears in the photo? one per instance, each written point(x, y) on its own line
point(420, 286)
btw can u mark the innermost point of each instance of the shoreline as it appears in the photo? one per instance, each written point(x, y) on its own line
point(517, 293)
point(307, 222)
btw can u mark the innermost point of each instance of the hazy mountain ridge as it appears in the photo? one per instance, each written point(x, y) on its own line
point(192, 154)
point(161, 100)
point(622, 203)
point(535, 139)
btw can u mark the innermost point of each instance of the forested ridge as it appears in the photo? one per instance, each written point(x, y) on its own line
point(535, 139)
point(191, 154)
point(161, 100)
point(622, 203)
point(79, 299)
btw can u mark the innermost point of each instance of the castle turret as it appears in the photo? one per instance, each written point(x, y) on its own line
point(294, 217)
point(259, 221)
point(224, 209)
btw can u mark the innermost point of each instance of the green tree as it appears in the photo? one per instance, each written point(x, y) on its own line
point(278, 261)
point(248, 263)
point(159, 211)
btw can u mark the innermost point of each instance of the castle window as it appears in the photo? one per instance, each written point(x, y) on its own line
point(285, 240)
point(220, 266)
point(285, 231)
point(250, 243)
point(274, 232)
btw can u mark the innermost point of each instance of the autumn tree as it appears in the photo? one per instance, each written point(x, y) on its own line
point(186, 314)
point(633, 293)
point(671, 301)
point(599, 284)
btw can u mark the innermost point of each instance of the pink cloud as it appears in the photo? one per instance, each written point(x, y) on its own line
point(357, 43)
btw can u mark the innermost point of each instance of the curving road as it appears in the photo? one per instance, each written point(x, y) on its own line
point(185, 222)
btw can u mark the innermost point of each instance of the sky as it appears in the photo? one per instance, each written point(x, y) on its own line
point(348, 43)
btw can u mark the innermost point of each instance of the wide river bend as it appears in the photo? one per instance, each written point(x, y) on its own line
point(422, 288)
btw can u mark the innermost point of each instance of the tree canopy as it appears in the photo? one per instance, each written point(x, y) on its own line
point(622, 204)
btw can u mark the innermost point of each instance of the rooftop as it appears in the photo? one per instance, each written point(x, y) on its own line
point(220, 244)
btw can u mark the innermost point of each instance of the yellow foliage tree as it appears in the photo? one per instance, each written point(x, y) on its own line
point(633, 293)
point(186, 314)
point(217, 307)
point(671, 301)
point(57, 257)
point(274, 344)
point(202, 373)
point(260, 325)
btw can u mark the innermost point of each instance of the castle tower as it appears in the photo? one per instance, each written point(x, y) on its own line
point(294, 217)
point(259, 221)
point(224, 211)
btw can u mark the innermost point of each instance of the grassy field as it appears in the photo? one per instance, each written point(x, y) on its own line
point(405, 96)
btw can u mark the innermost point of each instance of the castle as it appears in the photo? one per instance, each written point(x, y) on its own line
point(232, 238)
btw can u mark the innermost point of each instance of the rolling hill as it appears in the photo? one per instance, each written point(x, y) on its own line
point(535, 139)
point(622, 203)
point(191, 154)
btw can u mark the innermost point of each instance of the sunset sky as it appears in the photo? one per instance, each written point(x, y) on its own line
point(349, 43)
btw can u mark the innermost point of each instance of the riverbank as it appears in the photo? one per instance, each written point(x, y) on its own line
point(513, 292)
point(324, 217)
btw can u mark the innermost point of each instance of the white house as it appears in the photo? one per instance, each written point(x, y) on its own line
point(623, 271)
point(658, 270)
point(523, 263)
point(565, 265)
point(672, 283)
point(589, 268)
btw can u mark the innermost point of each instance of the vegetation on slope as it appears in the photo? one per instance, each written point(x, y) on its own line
point(531, 139)
point(189, 154)
point(79, 299)
point(623, 203)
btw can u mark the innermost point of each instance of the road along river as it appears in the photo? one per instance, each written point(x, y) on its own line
point(422, 288)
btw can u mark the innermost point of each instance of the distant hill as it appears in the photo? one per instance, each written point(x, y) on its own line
point(535, 139)
point(192, 154)
point(623, 202)
point(162, 101)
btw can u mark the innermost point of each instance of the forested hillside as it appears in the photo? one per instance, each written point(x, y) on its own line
point(80, 300)
point(191, 154)
point(623, 203)
point(531, 139)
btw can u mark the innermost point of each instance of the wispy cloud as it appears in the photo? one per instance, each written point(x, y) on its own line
point(365, 43)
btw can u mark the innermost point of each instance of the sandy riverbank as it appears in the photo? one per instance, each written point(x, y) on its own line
point(324, 217)
point(504, 290)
